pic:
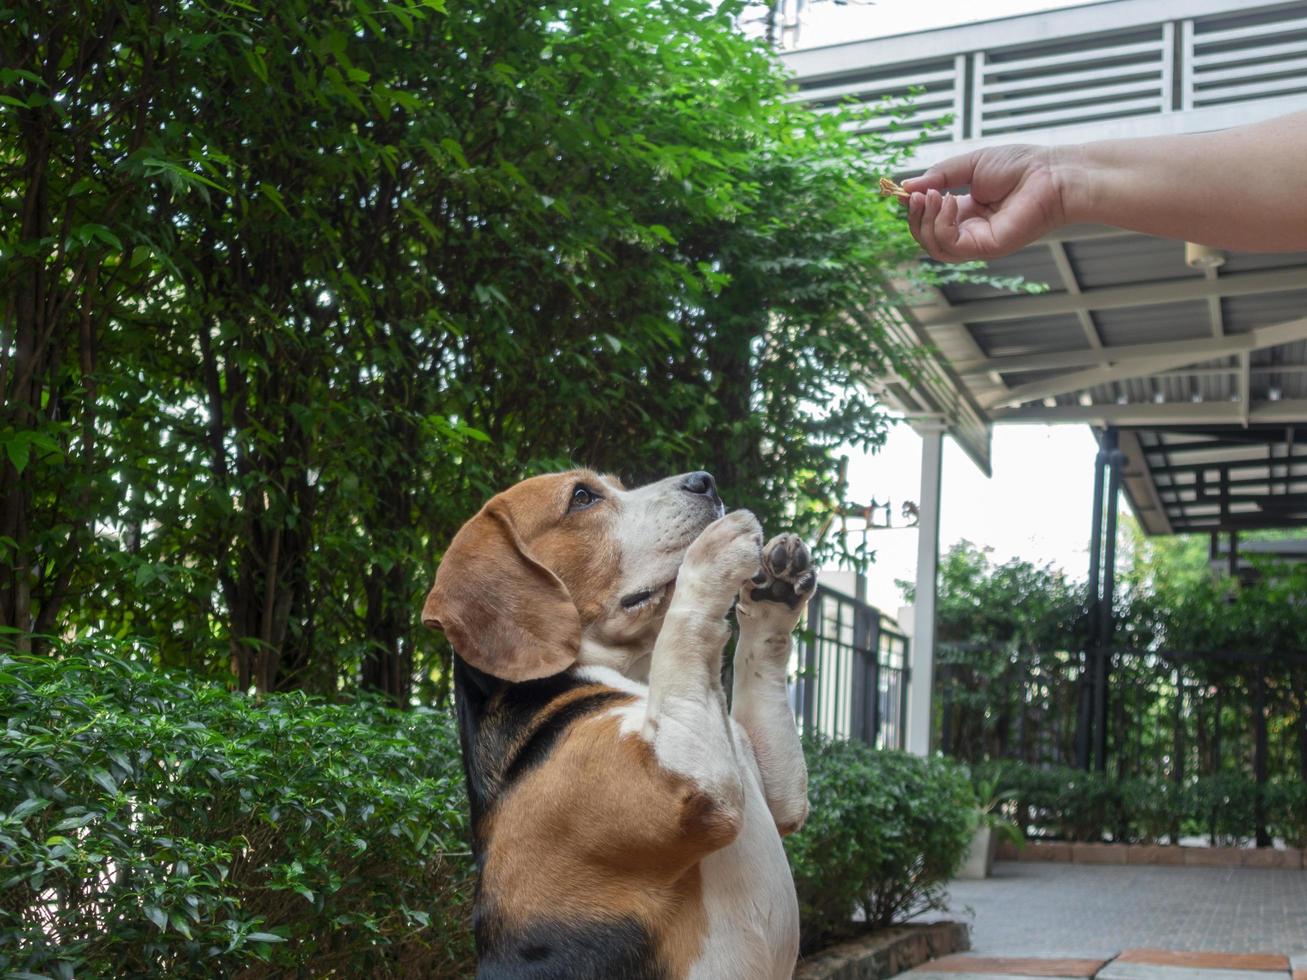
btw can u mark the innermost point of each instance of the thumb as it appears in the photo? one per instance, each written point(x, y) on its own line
point(953, 172)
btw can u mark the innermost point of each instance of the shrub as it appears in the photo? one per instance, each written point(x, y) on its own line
point(1286, 805)
point(1223, 806)
point(153, 827)
point(1074, 805)
point(1152, 809)
point(885, 832)
point(1058, 801)
point(158, 826)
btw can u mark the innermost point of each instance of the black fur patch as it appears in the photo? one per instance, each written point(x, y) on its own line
point(492, 716)
point(547, 732)
point(617, 950)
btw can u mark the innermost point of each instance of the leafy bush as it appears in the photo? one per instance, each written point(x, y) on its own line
point(1152, 810)
point(1224, 807)
point(154, 827)
point(1286, 804)
point(1058, 801)
point(885, 832)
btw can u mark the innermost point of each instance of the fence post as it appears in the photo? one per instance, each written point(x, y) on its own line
point(872, 719)
point(905, 681)
point(1259, 756)
point(858, 670)
point(807, 683)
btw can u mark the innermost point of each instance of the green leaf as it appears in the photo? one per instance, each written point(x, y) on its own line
point(104, 780)
point(663, 232)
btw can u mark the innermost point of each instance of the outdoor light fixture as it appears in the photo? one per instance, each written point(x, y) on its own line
point(1203, 256)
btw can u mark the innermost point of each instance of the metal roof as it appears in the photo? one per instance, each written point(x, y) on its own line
point(1223, 478)
point(1127, 335)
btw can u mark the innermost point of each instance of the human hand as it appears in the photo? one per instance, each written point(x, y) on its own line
point(1016, 197)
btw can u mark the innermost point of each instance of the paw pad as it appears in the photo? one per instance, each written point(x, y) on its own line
point(787, 574)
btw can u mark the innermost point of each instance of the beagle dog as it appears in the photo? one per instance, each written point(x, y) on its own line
point(625, 827)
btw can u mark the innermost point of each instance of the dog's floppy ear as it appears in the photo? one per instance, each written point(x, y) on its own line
point(504, 612)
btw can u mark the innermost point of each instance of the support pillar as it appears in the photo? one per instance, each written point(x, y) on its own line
point(1084, 706)
point(922, 676)
point(1106, 605)
point(1260, 753)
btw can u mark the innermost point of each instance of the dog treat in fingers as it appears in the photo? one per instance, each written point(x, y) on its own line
point(891, 189)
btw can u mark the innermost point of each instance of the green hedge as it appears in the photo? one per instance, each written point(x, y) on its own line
point(154, 827)
point(885, 833)
point(1070, 804)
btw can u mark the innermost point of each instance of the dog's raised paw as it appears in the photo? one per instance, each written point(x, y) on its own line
point(721, 559)
point(787, 574)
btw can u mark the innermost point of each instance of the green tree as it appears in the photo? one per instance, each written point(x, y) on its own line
point(288, 291)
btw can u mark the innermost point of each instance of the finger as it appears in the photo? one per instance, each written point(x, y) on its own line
point(953, 172)
point(968, 208)
point(946, 228)
point(934, 202)
point(916, 208)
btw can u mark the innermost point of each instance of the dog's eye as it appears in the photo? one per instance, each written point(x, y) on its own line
point(582, 497)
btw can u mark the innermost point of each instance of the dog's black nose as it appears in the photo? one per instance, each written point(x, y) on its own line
point(701, 483)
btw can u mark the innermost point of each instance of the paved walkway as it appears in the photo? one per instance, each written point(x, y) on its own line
point(1129, 923)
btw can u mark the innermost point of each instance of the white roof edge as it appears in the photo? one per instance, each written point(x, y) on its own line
point(1048, 25)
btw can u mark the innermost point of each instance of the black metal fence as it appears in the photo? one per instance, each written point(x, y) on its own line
point(853, 672)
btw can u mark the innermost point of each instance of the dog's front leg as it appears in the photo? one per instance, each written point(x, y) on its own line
point(769, 608)
point(686, 720)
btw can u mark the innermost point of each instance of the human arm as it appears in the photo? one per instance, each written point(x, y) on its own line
point(1242, 188)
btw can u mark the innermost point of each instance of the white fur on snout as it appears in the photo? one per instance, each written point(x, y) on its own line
point(655, 525)
point(651, 529)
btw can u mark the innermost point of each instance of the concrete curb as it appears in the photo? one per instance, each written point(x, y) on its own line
point(885, 953)
point(1156, 854)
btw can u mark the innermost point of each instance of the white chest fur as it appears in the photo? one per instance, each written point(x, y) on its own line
point(748, 895)
point(748, 891)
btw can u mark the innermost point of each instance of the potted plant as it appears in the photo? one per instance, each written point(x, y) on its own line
point(991, 827)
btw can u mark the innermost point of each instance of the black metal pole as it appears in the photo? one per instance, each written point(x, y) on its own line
point(1260, 751)
point(1095, 556)
point(1107, 627)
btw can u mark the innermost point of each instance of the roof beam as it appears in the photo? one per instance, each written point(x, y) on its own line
point(1205, 349)
point(1072, 284)
point(1169, 468)
point(1113, 297)
point(1172, 490)
point(1141, 488)
point(1284, 412)
point(1063, 384)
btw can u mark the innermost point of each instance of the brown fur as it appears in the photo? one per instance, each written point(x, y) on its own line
point(551, 845)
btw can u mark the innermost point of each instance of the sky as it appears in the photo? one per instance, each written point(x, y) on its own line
point(1036, 506)
point(827, 22)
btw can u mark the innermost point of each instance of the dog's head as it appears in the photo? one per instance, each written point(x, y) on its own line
point(565, 567)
